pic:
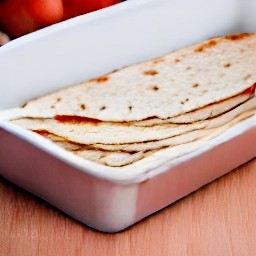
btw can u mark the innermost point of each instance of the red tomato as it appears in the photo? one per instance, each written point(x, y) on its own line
point(45, 12)
point(74, 8)
point(19, 17)
point(15, 20)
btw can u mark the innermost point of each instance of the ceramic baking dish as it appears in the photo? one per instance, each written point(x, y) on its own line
point(111, 199)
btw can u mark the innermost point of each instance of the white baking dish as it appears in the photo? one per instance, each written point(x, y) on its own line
point(111, 199)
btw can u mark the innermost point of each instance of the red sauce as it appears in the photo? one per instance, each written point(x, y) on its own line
point(42, 132)
point(76, 119)
point(250, 90)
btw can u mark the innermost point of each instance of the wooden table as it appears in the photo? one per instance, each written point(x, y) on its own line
point(218, 219)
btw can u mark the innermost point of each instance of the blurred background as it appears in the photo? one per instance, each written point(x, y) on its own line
point(20, 17)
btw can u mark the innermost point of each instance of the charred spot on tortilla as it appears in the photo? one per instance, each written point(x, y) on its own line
point(102, 108)
point(184, 101)
point(114, 71)
point(227, 65)
point(53, 105)
point(154, 88)
point(130, 108)
point(151, 72)
point(100, 79)
point(209, 44)
point(177, 60)
point(24, 105)
point(82, 106)
point(236, 37)
point(195, 85)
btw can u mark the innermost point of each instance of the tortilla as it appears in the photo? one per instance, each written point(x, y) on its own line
point(111, 133)
point(147, 146)
point(176, 140)
point(105, 157)
point(113, 159)
point(115, 155)
point(173, 85)
point(204, 113)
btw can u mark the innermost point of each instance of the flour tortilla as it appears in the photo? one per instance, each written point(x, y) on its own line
point(154, 145)
point(105, 157)
point(109, 158)
point(176, 140)
point(204, 113)
point(113, 159)
point(110, 133)
point(173, 85)
point(120, 158)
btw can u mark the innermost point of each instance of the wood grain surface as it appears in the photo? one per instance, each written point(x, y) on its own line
point(218, 219)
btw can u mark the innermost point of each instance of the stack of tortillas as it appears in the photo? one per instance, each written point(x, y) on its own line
point(189, 95)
